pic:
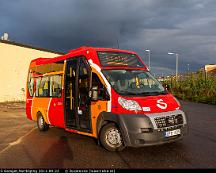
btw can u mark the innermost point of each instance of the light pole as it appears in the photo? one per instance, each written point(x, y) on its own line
point(188, 67)
point(170, 53)
point(149, 52)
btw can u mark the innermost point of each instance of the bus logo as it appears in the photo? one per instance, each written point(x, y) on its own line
point(161, 104)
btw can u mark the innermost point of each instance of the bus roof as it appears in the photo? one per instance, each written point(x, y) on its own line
point(101, 49)
point(76, 52)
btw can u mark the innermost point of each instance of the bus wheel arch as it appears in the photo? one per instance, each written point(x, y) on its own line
point(41, 123)
point(103, 119)
point(110, 137)
point(108, 125)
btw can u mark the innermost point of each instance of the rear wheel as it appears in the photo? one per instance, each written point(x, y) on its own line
point(42, 125)
point(111, 138)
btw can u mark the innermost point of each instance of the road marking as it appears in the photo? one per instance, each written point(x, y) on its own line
point(17, 141)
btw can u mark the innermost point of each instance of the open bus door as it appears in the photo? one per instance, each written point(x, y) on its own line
point(77, 100)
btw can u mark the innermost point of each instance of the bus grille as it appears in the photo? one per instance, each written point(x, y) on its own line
point(168, 121)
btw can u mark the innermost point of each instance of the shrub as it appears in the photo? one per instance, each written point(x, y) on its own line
point(194, 87)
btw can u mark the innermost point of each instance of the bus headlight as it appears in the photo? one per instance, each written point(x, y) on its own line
point(130, 105)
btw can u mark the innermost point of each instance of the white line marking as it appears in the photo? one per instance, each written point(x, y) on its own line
point(17, 141)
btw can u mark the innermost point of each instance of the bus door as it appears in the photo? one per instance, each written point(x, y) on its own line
point(77, 100)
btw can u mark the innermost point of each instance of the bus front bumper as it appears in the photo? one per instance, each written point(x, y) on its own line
point(146, 130)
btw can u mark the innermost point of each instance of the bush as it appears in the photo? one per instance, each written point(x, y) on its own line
point(194, 87)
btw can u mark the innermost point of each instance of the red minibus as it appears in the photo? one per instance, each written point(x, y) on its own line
point(108, 94)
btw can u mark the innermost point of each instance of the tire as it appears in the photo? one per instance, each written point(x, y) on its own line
point(111, 138)
point(42, 125)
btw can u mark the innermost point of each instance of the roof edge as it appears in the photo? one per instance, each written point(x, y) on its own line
point(101, 49)
point(31, 47)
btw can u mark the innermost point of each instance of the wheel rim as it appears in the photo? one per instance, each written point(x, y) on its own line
point(40, 122)
point(113, 138)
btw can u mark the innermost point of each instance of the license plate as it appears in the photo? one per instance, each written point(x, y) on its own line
point(173, 133)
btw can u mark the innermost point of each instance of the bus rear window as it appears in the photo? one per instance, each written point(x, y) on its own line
point(119, 59)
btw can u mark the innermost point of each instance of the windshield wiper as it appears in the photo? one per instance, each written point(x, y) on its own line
point(153, 93)
point(143, 93)
point(129, 93)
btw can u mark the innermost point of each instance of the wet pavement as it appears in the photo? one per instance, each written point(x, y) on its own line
point(23, 146)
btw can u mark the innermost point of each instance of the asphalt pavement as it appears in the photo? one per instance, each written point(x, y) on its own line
point(23, 146)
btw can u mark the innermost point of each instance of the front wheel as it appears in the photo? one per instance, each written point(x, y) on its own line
point(111, 138)
point(42, 125)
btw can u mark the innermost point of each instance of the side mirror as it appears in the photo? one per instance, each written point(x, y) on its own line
point(167, 87)
point(94, 93)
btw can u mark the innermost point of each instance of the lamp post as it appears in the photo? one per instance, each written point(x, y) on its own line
point(149, 52)
point(171, 53)
point(188, 67)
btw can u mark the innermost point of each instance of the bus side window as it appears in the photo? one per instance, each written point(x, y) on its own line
point(30, 83)
point(38, 80)
point(55, 86)
point(96, 82)
point(31, 86)
point(43, 89)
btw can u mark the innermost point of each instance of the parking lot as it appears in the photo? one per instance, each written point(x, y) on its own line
point(23, 146)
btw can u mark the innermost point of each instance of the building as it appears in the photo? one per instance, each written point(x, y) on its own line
point(15, 59)
point(210, 69)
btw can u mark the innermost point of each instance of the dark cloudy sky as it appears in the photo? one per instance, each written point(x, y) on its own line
point(186, 27)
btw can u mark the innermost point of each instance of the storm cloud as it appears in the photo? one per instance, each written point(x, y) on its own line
point(186, 27)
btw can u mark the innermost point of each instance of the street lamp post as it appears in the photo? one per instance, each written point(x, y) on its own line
point(147, 50)
point(170, 53)
point(188, 67)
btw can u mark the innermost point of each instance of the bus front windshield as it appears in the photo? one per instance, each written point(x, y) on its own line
point(134, 82)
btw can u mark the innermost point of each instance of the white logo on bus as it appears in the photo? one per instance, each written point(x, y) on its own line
point(161, 104)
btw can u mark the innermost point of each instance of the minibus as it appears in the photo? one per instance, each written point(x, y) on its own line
point(105, 93)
